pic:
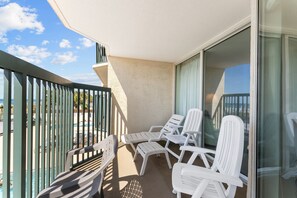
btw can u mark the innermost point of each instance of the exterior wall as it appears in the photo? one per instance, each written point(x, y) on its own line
point(142, 93)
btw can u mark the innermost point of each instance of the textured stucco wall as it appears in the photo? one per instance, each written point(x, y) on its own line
point(143, 93)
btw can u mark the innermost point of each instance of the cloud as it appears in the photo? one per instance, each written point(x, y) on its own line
point(64, 58)
point(45, 42)
point(32, 54)
point(86, 42)
point(15, 17)
point(3, 39)
point(85, 78)
point(65, 43)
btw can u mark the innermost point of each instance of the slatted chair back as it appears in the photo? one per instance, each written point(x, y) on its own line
point(229, 152)
point(175, 120)
point(193, 121)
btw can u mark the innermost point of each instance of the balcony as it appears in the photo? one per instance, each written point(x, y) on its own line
point(46, 114)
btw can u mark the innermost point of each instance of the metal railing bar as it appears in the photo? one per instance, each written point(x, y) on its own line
point(105, 115)
point(63, 128)
point(101, 116)
point(83, 122)
point(43, 133)
point(72, 117)
point(58, 155)
point(6, 133)
point(109, 111)
point(37, 138)
point(77, 125)
point(96, 114)
point(48, 136)
point(88, 106)
point(93, 120)
point(53, 138)
point(30, 136)
point(19, 136)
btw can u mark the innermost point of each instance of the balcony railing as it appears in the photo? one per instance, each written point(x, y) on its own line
point(45, 115)
point(100, 54)
point(232, 104)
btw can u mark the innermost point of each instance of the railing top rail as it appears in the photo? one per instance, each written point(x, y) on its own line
point(15, 64)
point(237, 94)
point(91, 87)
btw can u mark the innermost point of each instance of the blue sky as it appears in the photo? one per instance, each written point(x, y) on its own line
point(29, 29)
point(237, 79)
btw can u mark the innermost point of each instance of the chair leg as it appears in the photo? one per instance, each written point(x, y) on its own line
point(178, 195)
point(143, 165)
point(133, 147)
point(135, 155)
point(168, 160)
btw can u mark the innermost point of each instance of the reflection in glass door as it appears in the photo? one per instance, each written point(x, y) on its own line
point(227, 87)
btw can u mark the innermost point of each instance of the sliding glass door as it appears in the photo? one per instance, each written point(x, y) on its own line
point(227, 87)
point(277, 100)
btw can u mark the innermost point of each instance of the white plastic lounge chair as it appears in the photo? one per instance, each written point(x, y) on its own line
point(83, 183)
point(190, 133)
point(175, 120)
point(208, 181)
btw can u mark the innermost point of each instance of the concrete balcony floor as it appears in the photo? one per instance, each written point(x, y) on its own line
point(122, 176)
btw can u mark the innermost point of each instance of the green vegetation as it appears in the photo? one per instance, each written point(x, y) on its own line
point(81, 100)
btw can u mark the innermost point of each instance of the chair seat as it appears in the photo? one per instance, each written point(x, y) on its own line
point(176, 139)
point(188, 184)
point(147, 149)
point(91, 189)
point(140, 137)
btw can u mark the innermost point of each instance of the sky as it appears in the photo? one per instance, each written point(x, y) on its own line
point(237, 79)
point(30, 30)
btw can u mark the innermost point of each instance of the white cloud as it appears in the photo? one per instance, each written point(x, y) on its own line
point(77, 47)
point(65, 43)
point(45, 42)
point(15, 17)
point(3, 39)
point(32, 54)
point(64, 58)
point(86, 42)
point(85, 78)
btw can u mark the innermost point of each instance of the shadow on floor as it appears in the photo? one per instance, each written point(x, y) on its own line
point(122, 178)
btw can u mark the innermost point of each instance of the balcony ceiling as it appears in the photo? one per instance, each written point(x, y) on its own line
point(166, 30)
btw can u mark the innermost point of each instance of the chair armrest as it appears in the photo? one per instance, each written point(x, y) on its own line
point(192, 132)
point(197, 150)
point(175, 128)
point(154, 127)
point(209, 174)
point(87, 149)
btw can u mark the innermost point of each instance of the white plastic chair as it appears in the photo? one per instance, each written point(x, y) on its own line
point(83, 183)
point(208, 181)
point(190, 133)
point(175, 120)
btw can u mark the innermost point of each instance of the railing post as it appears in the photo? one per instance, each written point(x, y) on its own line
point(30, 137)
point(19, 135)
point(6, 133)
